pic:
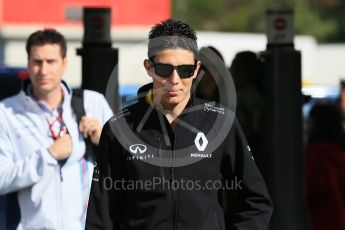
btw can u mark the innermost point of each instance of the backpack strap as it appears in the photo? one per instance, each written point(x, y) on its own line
point(77, 104)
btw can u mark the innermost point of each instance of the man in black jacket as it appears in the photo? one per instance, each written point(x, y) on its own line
point(171, 161)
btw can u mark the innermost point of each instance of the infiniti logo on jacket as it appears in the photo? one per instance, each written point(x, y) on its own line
point(137, 148)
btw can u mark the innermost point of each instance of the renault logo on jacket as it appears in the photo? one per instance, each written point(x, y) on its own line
point(137, 148)
point(201, 141)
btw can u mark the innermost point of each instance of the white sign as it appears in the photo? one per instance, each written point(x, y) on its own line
point(280, 29)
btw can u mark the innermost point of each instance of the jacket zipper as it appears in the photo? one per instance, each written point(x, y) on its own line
point(173, 198)
point(60, 171)
point(160, 155)
point(173, 192)
point(59, 199)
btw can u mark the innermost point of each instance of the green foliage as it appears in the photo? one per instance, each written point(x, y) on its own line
point(308, 21)
point(249, 16)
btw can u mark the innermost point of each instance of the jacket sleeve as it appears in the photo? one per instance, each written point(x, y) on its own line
point(104, 208)
point(247, 203)
point(19, 169)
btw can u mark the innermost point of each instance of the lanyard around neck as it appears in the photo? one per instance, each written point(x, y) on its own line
point(53, 134)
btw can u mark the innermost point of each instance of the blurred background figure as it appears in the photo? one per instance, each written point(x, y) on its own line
point(246, 72)
point(325, 168)
point(342, 97)
point(206, 85)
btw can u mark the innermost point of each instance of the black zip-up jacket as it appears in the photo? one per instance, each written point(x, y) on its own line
point(198, 176)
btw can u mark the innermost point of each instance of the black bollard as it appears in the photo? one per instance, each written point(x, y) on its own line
point(98, 57)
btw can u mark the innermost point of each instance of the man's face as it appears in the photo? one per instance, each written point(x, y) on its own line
point(46, 67)
point(172, 90)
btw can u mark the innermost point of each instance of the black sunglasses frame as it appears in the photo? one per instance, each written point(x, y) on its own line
point(180, 72)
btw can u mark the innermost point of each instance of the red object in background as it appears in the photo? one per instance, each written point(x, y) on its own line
point(324, 185)
point(280, 23)
point(124, 13)
point(23, 74)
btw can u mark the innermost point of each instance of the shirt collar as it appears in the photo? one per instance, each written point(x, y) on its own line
point(43, 106)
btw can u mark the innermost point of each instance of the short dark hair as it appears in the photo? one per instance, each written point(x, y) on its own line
point(172, 27)
point(172, 33)
point(44, 37)
point(326, 124)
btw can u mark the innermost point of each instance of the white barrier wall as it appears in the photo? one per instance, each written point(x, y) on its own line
point(330, 63)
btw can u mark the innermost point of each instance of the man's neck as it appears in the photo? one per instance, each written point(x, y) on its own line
point(52, 99)
point(173, 111)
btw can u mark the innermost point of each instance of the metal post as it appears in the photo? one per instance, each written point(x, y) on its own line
point(281, 155)
point(98, 57)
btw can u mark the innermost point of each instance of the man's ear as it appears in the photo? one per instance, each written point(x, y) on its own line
point(148, 67)
point(65, 63)
point(196, 71)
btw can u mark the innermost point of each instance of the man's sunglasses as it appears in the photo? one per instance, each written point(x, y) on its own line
point(165, 70)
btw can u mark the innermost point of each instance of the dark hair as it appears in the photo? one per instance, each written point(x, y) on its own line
point(342, 84)
point(326, 124)
point(172, 27)
point(46, 36)
point(246, 70)
point(246, 61)
point(172, 33)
